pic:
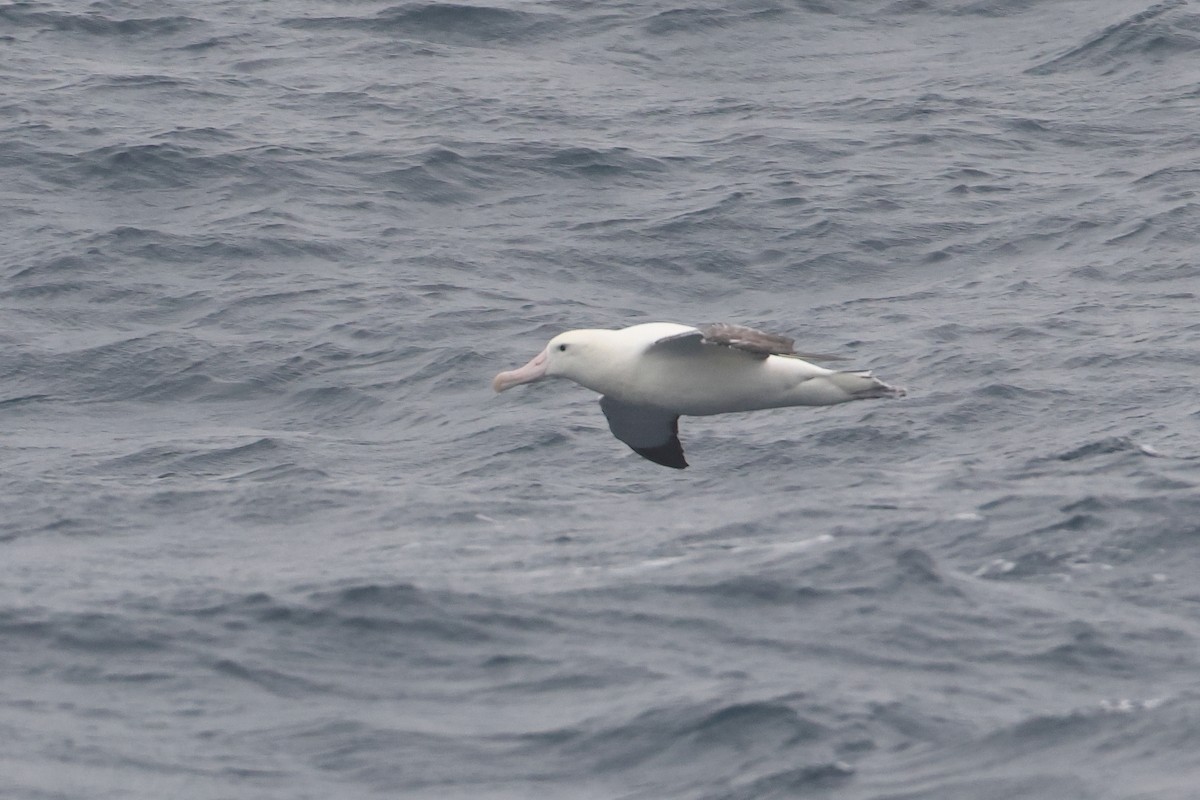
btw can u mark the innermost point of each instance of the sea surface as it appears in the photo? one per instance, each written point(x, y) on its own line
point(266, 533)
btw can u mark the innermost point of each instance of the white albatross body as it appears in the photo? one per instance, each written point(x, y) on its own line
point(650, 374)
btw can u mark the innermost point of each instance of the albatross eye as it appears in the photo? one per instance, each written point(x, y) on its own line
point(562, 347)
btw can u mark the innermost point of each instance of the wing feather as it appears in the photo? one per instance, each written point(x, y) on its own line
point(652, 433)
point(753, 340)
point(737, 337)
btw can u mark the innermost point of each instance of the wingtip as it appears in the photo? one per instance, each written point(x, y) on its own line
point(668, 455)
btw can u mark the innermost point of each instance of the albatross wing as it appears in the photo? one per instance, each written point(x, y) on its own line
point(650, 432)
point(738, 337)
point(749, 339)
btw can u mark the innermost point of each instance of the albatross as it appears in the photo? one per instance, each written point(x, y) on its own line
point(649, 375)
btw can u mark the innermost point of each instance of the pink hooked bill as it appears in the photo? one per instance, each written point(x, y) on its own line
point(535, 370)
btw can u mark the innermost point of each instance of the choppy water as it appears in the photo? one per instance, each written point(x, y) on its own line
point(265, 532)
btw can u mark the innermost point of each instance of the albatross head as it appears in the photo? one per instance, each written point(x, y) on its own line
point(574, 355)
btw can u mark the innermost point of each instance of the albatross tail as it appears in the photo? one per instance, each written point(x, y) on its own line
point(832, 388)
point(863, 385)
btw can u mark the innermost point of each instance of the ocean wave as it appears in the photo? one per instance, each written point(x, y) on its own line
point(95, 23)
point(1158, 34)
point(450, 23)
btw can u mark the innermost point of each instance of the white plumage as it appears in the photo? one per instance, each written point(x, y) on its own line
point(652, 373)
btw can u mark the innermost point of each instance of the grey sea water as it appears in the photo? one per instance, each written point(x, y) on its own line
point(265, 531)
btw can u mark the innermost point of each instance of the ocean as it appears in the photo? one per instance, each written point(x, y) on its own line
point(266, 533)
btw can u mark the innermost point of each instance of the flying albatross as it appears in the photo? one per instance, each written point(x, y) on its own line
point(650, 374)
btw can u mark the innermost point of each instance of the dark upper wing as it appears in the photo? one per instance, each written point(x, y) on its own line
point(650, 432)
point(753, 340)
point(750, 339)
point(678, 342)
point(720, 335)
